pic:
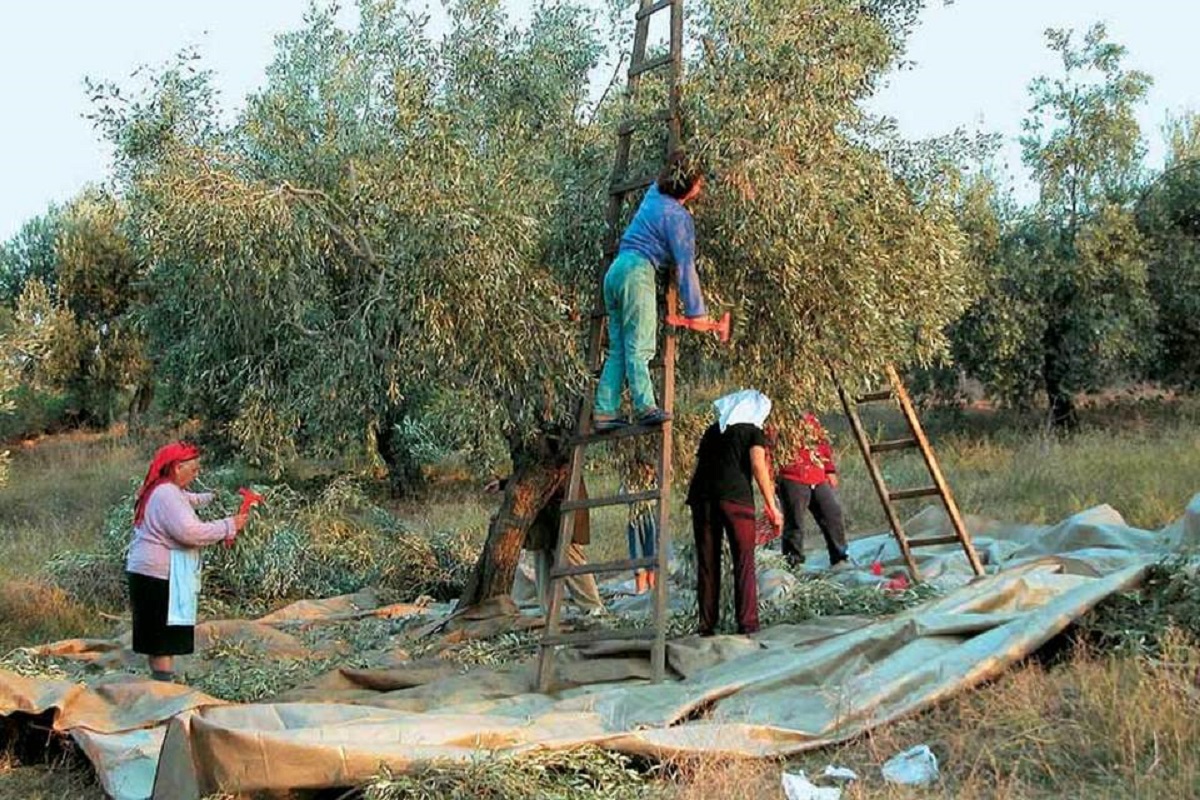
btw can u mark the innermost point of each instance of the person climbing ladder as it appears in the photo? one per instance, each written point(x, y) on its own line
point(660, 233)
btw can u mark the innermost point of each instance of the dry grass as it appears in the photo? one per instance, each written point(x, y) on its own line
point(724, 778)
point(458, 507)
point(56, 781)
point(1096, 726)
point(32, 611)
point(43, 767)
point(58, 493)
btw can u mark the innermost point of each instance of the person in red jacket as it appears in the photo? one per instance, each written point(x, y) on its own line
point(809, 483)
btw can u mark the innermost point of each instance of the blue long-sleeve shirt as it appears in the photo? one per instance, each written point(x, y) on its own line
point(662, 231)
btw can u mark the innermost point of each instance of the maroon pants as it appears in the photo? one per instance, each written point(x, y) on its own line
point(709, 519)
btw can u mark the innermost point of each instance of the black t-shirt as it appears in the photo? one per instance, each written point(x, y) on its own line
point(723, 464)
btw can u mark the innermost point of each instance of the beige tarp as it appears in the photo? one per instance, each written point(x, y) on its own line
point(789, 688)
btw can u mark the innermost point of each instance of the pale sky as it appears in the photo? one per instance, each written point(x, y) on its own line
point(974, 62)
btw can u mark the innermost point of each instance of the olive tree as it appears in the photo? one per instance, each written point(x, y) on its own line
point(8, 384)
point(820, 248)
point(1084, 147)
point(29, 255)
point(71, 330)
point(1168, 216)
point(398, 226)
point(1063, 302)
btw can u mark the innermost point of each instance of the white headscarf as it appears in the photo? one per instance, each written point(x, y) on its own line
point(748, 405)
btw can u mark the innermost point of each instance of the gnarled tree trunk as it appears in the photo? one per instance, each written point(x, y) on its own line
point(535, 479)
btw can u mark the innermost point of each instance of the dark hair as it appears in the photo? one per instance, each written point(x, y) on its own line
point(679, 174)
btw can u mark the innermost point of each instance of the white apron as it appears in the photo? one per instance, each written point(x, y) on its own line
point(184, 587)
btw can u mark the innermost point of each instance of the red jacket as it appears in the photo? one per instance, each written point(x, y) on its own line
point(813, 464)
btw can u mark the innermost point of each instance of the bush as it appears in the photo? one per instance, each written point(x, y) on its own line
point(1144, 621)
point(293, 548)
point(34, 412)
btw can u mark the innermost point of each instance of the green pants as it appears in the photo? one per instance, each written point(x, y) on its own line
point(629, 299)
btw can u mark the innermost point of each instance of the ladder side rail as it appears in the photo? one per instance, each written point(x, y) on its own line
point(664, 469)
point(658, 655)
point(566, 533)
point(676, 52)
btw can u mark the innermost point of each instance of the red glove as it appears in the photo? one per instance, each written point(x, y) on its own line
point(250, 498)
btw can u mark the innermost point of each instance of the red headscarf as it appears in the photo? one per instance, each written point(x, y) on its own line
point(160, 472)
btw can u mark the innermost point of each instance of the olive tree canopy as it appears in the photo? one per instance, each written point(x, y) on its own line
point(397, 224)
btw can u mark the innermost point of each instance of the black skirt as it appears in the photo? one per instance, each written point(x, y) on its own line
point(152, 636)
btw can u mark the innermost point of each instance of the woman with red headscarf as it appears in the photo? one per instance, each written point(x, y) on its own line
point(163, 562)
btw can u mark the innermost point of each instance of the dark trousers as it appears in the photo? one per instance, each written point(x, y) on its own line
point(822, 501)
point(736, 520)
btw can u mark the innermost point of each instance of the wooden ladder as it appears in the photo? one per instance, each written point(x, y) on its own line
point(887, 497)
point(621, 186)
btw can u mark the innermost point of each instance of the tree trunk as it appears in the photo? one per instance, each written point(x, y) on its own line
point(1063, 417)
point(533, 482)
point(404, 473)
point(139, 404)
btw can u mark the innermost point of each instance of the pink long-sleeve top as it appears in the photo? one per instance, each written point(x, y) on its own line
point(170, 523)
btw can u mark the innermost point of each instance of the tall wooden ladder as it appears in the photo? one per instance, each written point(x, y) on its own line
point(888, 497)
point(622, 185)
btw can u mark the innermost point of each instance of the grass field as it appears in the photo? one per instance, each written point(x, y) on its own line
point(1094, 725)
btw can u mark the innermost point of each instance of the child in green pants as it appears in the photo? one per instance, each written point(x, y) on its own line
point(660, 234)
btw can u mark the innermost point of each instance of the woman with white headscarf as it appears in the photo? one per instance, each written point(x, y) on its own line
point(732, 451)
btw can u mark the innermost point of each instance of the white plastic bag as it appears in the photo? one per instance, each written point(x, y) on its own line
point(797, 786)
point(916, 766)
point(841, 774)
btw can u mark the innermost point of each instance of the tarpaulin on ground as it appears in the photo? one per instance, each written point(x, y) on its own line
point(786, 689)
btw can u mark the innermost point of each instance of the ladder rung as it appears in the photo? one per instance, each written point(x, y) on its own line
point(619, 433)
point(874, 397)
point(893, 444)
point(932, 540)
point(587, 637)
point(633, 184)
point(630, 125)
point(654, 9)
point(909, 494)
point(625, 565)
point(615, 500)
point(646, 66)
